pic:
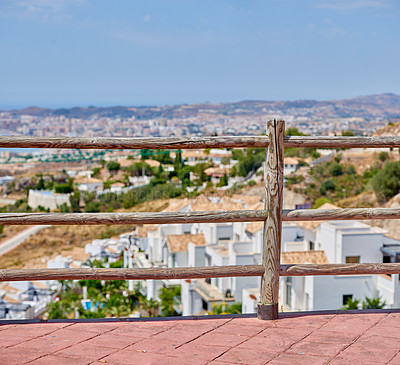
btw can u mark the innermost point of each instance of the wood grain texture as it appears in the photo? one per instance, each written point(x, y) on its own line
point(193, 142)
point(273, 223)
point(339, 269)
point(341, 142)
point(134, 143)
point(340, 214)
point(131, 274)
point(131, 218)
point(196, 217)
point(195, 272)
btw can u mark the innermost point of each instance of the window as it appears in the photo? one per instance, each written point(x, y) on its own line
point(173, 259)
point(289, 291)
point(205, 305)
point(386, 259)
point(352, 259)
point(312, 246)
point(346, 298)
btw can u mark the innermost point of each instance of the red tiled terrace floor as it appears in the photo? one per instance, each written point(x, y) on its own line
point(366, 338)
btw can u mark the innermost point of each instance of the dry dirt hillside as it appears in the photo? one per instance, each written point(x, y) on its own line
point(389, 130)
point(56, 240)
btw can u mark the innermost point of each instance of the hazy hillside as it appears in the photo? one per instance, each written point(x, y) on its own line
point(384, 105)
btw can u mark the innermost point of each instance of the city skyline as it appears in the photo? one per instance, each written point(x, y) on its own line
point(69, 53)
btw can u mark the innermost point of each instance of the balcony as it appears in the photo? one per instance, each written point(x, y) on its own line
point(329, 337)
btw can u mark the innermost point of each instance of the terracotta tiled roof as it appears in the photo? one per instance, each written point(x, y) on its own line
point(254, 227)
point(142, 231)
point(218, 171)
point(311, 225)
point(9, 299)
point(194, 154)
point(126, 162)
point(180, 242)
point(40, 285)
point(86, 180)
point(153, 163)
point(8, 288)
point(304, 257)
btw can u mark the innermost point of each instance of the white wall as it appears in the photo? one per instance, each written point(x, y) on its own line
point(329, 290)
point(367, 246)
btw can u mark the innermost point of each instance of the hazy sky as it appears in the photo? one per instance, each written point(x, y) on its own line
point(92, 52)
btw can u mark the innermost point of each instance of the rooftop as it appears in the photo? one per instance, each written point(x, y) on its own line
point(368, 337)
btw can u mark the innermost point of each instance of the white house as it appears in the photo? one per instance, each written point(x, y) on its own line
point(47, 199)
point(291, 164)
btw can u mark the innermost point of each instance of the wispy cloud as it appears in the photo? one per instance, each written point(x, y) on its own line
point(328, 29)
point(350, 4)
point(37, 9)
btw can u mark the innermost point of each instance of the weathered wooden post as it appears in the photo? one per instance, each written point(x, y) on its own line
point(268, 306)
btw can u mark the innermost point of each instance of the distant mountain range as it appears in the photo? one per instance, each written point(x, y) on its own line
point(384, 105)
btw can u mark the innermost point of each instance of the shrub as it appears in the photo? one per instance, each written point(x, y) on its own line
point(386, 182)
point(383, 156)
point(327, 185)
point(373, 303)
point(336, 169)
point(113, 166)
point(321, 201)
point(63, 189)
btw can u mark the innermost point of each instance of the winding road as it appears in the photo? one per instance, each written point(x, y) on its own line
point(16, 240)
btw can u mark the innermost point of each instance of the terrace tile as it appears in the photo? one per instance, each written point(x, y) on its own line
point(305, 338)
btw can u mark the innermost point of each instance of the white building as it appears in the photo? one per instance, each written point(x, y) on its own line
point(47, 199)
point(24, 299)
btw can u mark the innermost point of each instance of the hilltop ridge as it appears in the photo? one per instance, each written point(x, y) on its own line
point(383, 105)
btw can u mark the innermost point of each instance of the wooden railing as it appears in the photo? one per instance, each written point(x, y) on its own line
point(272, 215)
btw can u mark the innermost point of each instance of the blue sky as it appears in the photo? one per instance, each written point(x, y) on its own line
point(57, 53)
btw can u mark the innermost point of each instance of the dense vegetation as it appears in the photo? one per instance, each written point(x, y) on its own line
point(109, 299)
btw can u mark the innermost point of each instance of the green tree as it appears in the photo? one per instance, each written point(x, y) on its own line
point(321, 201)
point(223, 181)
point(293, 131)
point(327, 185)
point(386, 182)
point(348, 133)
point(63, 189)
point(224, 308)
point(113, 166)
point(40, 185)
point(75, 201)
point(92, 207)
point(383, 156)
point(169, 298)
point(96, 172)
point(336, 169)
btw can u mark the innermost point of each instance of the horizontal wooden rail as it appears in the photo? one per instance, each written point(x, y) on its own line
point(194, 272)
point(131, 218)
point(195, 217)
point(131, 274)
point(194, 142)
point(342, 142)
point(339, 269)
point(340, 214)
point(134, 142)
